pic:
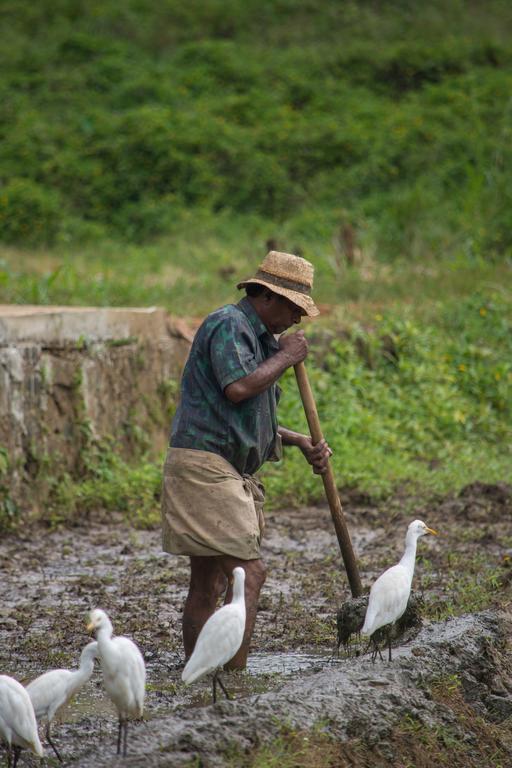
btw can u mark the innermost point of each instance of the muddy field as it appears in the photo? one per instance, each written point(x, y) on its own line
point(348, 711)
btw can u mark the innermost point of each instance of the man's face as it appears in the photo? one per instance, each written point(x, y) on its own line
point(282, 314)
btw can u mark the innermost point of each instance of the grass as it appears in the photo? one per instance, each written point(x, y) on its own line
point(406, 403)
point(292, 749)
point(191, 276)
point(413, 743)
point(471, 582)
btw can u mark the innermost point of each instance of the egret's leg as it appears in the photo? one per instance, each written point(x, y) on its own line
point(370, 643)
point(16, 751)
point(376, 650)
point(9, 757)
point(226, 694)
point(52, 745)
point(389, 642)
point(119, 732)
point(214, 683)
point(125, 737)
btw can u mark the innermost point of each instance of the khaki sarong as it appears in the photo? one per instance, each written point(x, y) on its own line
point(208, 508)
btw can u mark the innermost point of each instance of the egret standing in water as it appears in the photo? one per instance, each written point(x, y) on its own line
point(124, 672)
point(52, 690)
point(389, 595)
point(220, 638)
point(18, 726)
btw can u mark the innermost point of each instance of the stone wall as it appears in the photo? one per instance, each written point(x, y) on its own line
point(68, 375)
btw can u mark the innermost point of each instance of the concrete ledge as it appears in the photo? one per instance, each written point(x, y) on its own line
point(64, 325)
point(66, 372)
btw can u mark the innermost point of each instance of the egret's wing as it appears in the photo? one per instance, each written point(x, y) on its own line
point(125, 676)
point(49, 691)
point(218, 641)
point(388, 599)
point(135, 664)
point(18, 715)
point(125, 658)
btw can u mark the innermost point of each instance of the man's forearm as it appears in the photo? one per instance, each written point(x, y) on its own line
point(317, 455)
point(259, 380)
point(289, 437)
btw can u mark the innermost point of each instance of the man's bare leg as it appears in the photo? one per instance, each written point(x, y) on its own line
point(255, 573)
point(207, 584)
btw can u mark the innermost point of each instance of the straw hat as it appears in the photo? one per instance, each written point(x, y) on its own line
point(288, 275)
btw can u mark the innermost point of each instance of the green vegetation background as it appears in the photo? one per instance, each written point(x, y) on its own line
point(150, 151)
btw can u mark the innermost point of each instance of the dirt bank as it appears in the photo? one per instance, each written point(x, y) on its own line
point(347, 697)
point(50, 579)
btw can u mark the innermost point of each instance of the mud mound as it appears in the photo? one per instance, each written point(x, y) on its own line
point(350, 620)
point(356, 698)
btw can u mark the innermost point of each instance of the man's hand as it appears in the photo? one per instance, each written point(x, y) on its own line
point(316, 455)
point(294, 345)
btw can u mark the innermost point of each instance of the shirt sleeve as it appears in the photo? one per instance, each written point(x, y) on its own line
point(232, 350)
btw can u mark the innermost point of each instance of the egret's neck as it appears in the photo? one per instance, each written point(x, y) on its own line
point(87, 657)
point(104, 633)
point(84, 671)
point(409, 557)
point(238, 591)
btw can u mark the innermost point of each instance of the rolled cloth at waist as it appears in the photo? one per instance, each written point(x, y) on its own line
point(208, 508)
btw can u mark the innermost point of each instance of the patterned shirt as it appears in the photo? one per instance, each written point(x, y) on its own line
point(230, 344)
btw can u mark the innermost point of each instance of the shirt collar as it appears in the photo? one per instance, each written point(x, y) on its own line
point(256, 322)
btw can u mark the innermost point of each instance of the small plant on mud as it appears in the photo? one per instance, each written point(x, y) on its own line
point(291, 749)
point(9, 510)
point(470, 583)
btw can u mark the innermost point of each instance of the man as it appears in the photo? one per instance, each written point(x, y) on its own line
point(224, 429)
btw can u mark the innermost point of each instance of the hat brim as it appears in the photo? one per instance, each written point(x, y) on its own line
point(300, 299)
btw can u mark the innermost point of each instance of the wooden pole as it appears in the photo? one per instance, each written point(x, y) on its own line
point(331, 492)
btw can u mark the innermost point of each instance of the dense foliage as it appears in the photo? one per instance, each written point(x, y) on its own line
point(392, 117)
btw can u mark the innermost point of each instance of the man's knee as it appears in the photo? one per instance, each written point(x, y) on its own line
point(255, 574)
point(207, 577)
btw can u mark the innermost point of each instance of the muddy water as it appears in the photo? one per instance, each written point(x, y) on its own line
point(51, 579)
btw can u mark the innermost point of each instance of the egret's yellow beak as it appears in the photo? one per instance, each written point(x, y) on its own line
point(90, 626)
point(431, 530)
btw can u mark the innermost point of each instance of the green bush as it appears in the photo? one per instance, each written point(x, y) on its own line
point(29, 213)
point(263, 109)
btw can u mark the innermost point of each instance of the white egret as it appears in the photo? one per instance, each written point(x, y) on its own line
point(220, 638)
point(389, 595)
point(124, 672)
point(18, 726)
point(52, 690)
